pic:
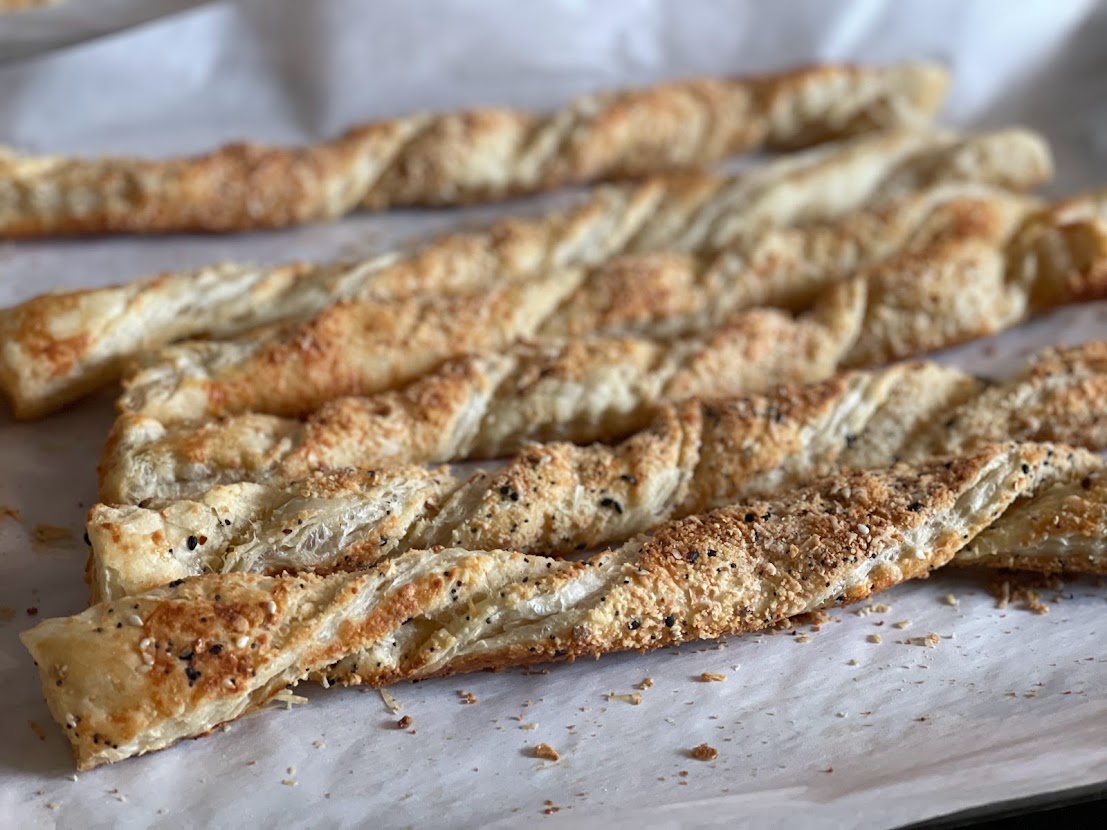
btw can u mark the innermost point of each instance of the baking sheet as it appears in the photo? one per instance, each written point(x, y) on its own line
point(1008, 704)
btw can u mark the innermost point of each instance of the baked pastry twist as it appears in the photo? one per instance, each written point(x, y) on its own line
point(969, 278)
point(203, 651)
point(463, 157)
point(487, 405)
point(56, 347)
point(945, 287)
point(559, 498)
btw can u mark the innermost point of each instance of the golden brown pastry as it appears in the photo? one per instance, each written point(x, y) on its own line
point(559, 498)
point(58, 346)
point(947, 285)
point(967, 278)
point(487, 405)
point(463, 157)
point(203, 651)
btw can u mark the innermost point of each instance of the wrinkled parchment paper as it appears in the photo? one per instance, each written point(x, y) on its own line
point(813, 728)
point(35, 30)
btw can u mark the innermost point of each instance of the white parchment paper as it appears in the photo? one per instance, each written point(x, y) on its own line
point(1009, 703)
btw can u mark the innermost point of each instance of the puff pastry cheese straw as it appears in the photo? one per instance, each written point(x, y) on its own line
point(297, 369)
point(986, 270)
point(557, 498)
point(138, 674)
point(589, 389)
point(56, 347)
point(971, 277)
point(463, 157)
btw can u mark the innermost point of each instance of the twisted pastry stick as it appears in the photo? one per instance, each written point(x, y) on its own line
point(200, 652)
point(56, 347)
point(298, 369)
point(583, 390)
point(956, 283)
point(458, 158)
point(559, 498)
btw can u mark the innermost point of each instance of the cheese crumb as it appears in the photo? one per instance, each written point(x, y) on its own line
point(634, 698)
point(547, 752)
point(712, 677)
point(950, 599)
point(875, 638)
point(902, 624)
point(703, 752)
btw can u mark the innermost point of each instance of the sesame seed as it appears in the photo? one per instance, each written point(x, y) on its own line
point(70, 720)
point(242, 641)
point(135, 620)
point(228, 683)
point(863, 529)
point(146, 643)
point(271, 607)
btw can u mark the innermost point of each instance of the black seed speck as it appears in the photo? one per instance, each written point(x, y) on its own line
point(634, 625)
point(692, 556)
point(610, 502)
point(193, 542)
point(193, 675)
point(670, 621)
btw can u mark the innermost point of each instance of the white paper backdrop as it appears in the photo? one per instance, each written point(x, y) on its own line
point(1013, 702)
